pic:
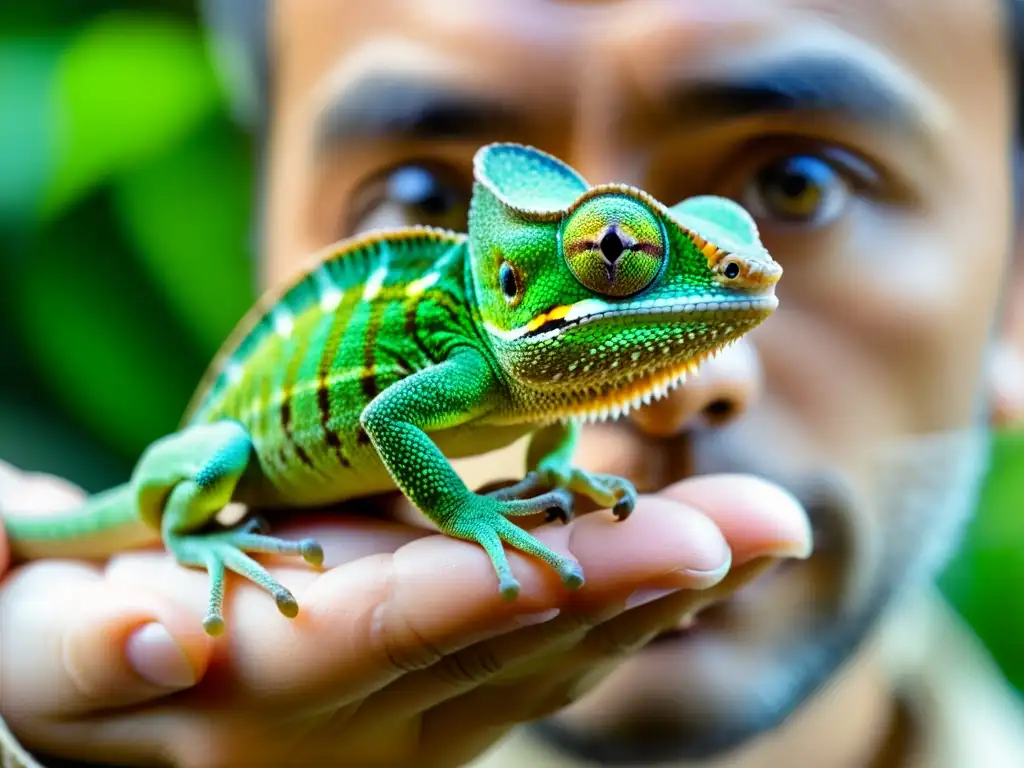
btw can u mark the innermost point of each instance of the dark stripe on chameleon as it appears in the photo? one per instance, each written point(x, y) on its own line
point(286, 427)
point(303, 456)
point(342, 314)
point(323, 401)
point(373, 325)
point(410, 327)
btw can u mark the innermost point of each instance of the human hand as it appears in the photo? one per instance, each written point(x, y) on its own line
point(403, 651)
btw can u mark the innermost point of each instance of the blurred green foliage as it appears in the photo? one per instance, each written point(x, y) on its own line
point(125, 213)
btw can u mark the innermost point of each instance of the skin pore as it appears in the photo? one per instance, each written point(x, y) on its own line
point(876, 165)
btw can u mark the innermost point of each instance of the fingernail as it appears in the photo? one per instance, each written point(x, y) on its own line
point(644, 596)
point(798, 550)
point(530, 619)
point(702, 579)
point(795, 549)
point(159, 660)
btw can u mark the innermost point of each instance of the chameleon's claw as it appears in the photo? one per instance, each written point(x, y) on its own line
point(624, 508)
point(572, 574)
point(312, 552)
point(286, 603)
point(557, 513)
point(213, 625)
point(508, 587)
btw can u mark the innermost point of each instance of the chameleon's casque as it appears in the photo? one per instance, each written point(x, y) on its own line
point(395, 351)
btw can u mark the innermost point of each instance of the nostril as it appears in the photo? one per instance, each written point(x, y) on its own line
point(719, 410)
point(611, 245)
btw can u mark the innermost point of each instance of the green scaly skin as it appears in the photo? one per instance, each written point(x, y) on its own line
point(392, 351)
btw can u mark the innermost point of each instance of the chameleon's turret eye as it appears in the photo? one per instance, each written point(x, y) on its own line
point(614, 245)
point(509, 281)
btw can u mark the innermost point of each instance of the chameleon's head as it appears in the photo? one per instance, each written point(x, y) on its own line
point(598, 299)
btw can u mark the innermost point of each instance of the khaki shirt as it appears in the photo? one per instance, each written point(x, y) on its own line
point(969, 716)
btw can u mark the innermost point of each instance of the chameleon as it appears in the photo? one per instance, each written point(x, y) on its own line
point(393, 351)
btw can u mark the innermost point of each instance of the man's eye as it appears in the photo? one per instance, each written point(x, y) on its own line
point(798, 189)
point(405, 195)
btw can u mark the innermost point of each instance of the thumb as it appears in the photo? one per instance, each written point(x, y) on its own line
point(74, 643)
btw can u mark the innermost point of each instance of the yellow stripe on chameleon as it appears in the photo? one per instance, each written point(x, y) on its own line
point(555, 314)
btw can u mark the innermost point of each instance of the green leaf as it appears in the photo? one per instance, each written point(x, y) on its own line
point(187, 212)
point(126, 87)
point(983, 581)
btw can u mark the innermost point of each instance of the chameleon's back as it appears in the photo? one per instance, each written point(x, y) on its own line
point(302, 365)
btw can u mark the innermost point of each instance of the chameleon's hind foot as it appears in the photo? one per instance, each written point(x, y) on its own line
point(222, 550)
point(483, 519)
point(608, 491)
point(524, 488)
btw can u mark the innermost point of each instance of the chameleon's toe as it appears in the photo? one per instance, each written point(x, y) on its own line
point(612, 491)
point(286, 603)
point(571, 573)
point(521, 490)
point(509, 587)
point(255, 524)
point(312, 552)
point(213, 625)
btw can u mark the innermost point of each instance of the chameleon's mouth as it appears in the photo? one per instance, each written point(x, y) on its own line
point(561, 318)
point(638, 390)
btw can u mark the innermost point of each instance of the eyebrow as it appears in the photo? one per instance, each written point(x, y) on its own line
point(395, 107)
point(818, 83)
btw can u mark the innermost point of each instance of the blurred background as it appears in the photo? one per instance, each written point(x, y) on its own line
point(126, 197)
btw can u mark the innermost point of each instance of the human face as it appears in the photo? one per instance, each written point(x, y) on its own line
point(875, 161)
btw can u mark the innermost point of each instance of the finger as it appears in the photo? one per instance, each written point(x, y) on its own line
point(365, 623)
point(75, 643)
point(757, 518)
point(774, 527)
point(21, 491)
point(550, 681)
point(34, 491)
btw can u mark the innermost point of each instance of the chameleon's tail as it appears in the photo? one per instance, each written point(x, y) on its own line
point(106, 523)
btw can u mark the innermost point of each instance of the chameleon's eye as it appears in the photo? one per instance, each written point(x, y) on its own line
point(509, 281)
point(614, 245)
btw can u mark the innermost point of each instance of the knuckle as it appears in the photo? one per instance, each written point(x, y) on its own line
point(468, 667)
point(394, 636)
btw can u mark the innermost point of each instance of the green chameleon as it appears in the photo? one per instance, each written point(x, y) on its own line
point(393, 350)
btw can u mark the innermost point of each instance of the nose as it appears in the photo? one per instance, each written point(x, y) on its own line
point(723, 389)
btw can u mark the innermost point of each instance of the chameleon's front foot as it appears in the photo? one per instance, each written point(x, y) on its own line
point(227, 549)
point(483, 519)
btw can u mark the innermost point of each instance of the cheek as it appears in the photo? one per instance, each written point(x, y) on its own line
point(890, 317)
